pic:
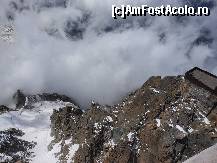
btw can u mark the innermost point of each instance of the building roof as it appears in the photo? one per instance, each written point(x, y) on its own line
point(202, 79)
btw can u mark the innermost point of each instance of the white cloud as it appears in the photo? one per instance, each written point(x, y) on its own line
point(103, 66)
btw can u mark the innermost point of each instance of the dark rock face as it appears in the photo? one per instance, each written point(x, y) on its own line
point(75, 29)
point(26, 101)
point(165, 121)
point(55, 97)
point(20, 99)
point(14, 149)
point(4, 109)
point(90, 128)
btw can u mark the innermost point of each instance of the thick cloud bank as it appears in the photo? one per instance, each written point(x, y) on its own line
point(76, 48)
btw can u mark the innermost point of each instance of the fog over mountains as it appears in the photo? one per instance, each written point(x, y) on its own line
point(75, 47)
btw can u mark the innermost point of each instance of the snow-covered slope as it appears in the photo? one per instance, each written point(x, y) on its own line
point(35, 123)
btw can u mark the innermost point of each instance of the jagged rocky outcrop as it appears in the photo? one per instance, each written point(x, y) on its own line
point(4, 109)
point(167, 120)
point(26, 101)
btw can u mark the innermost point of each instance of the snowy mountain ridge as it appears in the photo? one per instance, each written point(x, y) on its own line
point(166, 120)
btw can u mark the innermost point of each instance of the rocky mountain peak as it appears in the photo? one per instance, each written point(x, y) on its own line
point(167, 120)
